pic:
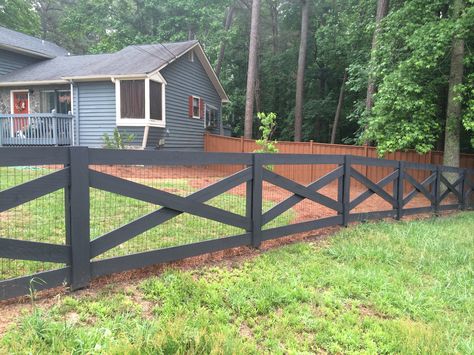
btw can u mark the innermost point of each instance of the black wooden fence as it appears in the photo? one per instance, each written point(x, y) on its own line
point(79, 253)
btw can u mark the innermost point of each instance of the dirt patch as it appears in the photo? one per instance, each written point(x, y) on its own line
point(366, 311)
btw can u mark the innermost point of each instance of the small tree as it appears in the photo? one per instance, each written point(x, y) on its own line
point(118, 140)
point(267, 126)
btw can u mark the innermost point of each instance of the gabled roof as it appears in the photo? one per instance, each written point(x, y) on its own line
point(132, 61)
point(19, 42)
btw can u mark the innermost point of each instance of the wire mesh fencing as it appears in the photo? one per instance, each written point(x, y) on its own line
point(109, 210)
point(38, 220)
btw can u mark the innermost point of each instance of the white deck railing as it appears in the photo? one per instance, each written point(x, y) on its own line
point(36, 129)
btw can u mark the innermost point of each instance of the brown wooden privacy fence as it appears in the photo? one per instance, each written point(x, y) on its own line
point(79, 253)
point(304, 174)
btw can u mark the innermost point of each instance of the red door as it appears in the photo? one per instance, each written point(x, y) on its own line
point(20, 106)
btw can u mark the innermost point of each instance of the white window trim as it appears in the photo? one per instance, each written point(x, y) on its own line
point(198, 117)
point(12, 103)
point(205, 113)
point(146, 121)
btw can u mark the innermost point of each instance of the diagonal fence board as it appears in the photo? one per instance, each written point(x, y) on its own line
point(301, 190)
point(291, 201)
point(33, 189)
point(153, 219)
point(366, 194)
point(35, 251)
point(418, 187)
point(427, 182)
point(450, 188)
point(162, 198)
point(374, 187)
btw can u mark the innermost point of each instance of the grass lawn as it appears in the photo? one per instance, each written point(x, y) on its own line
point(383, 287)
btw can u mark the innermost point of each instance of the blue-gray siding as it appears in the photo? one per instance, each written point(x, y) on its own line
point(186, 78)
point(10, 61)
point(94, 109)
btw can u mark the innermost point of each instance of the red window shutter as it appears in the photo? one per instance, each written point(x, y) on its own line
point(190, 106)
point(201, 108)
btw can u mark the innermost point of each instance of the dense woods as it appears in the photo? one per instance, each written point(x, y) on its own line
point(397, 74)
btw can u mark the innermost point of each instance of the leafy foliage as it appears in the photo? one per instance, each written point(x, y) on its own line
point(119, 140)
point(412, 68)
point(267, 127)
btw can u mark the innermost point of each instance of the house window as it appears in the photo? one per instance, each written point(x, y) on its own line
point(140, 102)
point(59, 100)
point(132, 99)
point(155, 101)
point(196, 106)
point(211, 116)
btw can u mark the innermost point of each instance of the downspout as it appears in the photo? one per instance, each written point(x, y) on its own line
point(75, 115)
point(145, 135)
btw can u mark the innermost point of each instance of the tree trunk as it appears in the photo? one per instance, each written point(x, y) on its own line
point(338, 109)
point(274, 13)
point(453, 111)
point(252, 68)
point(300, 73)
point(382, 10)
point(228, 22)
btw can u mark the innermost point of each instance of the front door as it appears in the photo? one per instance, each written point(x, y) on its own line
point(20, 106)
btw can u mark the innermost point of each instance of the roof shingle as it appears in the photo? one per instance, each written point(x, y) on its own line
point(132, 60)
point(32, 45)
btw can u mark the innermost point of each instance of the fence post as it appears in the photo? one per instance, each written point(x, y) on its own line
point(346, 192)
point(400, 189)
point(79, 215)
point(257, 183)
point(437, 190)
point(462, 188)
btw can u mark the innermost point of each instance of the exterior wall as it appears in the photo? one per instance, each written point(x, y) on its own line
point(10, 61)
point(94, 109)
point(186, 78)
point(95, 113)
point(34, 96)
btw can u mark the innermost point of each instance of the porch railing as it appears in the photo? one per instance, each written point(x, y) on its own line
point(36, 129)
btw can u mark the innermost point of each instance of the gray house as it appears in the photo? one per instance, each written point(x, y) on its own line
point(165, 95)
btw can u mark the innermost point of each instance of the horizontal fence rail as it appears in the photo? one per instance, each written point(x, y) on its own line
point(76, 171)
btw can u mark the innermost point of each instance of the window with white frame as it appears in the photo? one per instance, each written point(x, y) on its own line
point(140, 102)
point(196, 107)
point(211, 116)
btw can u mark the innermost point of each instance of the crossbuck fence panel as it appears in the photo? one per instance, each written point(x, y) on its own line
point(70, 214)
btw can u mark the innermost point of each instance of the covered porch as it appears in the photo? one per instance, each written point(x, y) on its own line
point(32, 129)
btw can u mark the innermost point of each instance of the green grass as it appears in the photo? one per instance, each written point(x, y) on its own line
point(42, 220)
point(404, 288)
